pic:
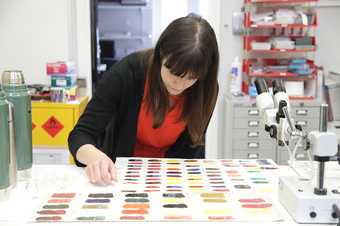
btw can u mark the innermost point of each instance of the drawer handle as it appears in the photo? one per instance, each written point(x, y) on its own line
point(301, 123)
point(253, 134)
point(301, 112)
point(253, 112)
point(253, 123)
point(300, 156)
point(253, 155)
point(253, 144)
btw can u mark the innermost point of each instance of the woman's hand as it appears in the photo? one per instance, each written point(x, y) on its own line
point(99, 167)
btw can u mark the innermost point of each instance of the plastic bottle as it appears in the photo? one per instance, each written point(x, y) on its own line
point(236, 77)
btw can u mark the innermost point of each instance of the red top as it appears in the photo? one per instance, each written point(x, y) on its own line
point(153, 143)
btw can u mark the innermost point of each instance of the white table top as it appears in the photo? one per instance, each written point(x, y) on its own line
point(48, 179)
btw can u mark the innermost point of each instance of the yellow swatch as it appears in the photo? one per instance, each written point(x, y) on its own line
point(195, 183)
point(173, 179)
point(266, 190)
point(212, 195)
point(172, 161)
point(218, 212)
point(173, 182)
point(171, 200)
point(263, 211)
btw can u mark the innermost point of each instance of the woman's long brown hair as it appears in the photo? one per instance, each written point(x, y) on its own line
point(187, 46)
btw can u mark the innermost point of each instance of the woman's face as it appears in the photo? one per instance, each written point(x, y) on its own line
point(176, 84)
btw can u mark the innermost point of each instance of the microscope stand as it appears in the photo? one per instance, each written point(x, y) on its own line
point(298, 198)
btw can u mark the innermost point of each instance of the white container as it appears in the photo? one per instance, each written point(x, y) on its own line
point(51, 156)
point(261, 45)
point(236, 77)
point(294, 88)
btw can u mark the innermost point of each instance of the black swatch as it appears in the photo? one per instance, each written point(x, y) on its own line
point(175, 206)
point(100, 195)
point(139, 195)
point(173, 195)
point(242, 186)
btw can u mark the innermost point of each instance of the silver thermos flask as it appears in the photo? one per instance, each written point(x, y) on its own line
point(13, 158)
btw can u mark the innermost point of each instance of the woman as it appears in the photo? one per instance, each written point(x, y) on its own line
point(155, 103)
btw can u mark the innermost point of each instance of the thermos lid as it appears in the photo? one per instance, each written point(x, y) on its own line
point(14, 77)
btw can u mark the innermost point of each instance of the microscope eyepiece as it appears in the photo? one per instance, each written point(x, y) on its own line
point(261, 86)
point(278, 86)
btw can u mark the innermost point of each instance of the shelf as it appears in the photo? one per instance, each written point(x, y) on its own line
point(286, 76)
point(281, 1)
point(247, 44)
point(249, 63)
point(281, 26)
point(249, 24)
point(301, 97)
point(117, 6)
point(124, 37)
point(284, 51)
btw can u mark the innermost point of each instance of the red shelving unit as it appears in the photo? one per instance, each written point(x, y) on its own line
point(262, 22)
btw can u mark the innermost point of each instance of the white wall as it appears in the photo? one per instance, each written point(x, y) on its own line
point(328, 35)
point(34, 32)
point(211, 11)
point(83, 42)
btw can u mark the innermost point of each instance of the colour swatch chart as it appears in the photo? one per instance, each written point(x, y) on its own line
point(196, 175)
point(174, 190)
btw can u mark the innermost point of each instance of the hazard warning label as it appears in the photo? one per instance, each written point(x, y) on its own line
point(52, 126)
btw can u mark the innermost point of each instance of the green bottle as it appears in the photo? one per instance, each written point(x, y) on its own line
point(4, 148)
point(16, 92)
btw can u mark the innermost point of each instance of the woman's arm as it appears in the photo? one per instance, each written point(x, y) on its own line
point(103, 107)
point(100, 168)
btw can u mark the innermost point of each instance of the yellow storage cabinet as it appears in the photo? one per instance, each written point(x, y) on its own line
point(52, 122)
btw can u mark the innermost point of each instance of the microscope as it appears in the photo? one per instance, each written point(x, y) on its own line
point(307, 200)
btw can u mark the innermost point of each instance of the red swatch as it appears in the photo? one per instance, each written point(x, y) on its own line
point(257, 206)
point(59, 200)
point(220, 218)
point(136, 218)
point(63, 195)
point(52, 212)
point(136, 211)
point(251, 200)
point(52, 218)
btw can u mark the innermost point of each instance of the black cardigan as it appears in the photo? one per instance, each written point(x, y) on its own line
point(110, 119)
